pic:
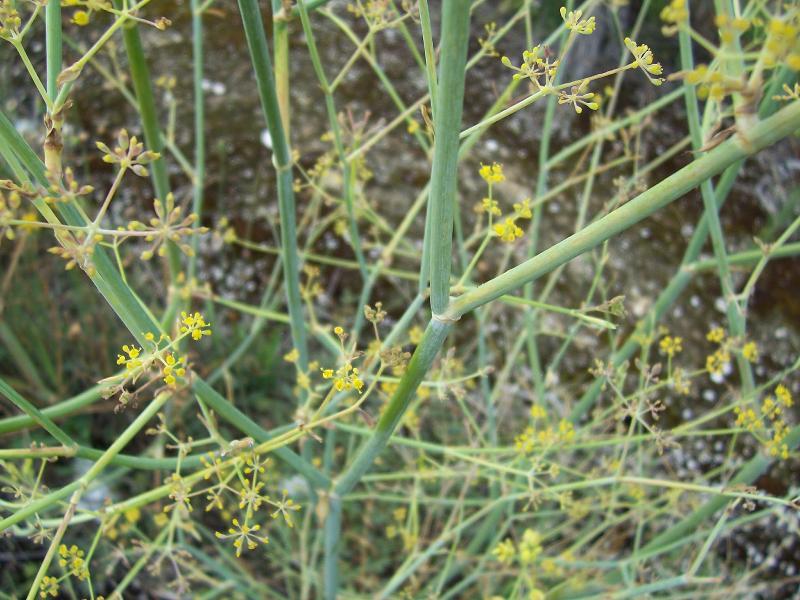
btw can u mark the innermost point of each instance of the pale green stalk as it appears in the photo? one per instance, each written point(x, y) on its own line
point(333, 122)
point(447, 124)
point(53, 44)
point(198, 181)
point(736, 318)
point(430, 58)
point(282, 160)
point(764, 134)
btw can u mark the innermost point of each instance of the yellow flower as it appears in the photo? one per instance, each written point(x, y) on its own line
point(577, 96)
point(784, 396)
point(292, 356)
point(243, 534)
point(345, 378)
point(195, 324)
point(538, 412)
point(750, 351)
point(415, 334)
point(643, 58)
point(172, 369)
point(530, 547)
point(717, 361)
point(574, 22)
point(49, 586)
point(508, 230)
point(492, 173)
point(80, 18)
point(674, 14)
point(132, 361)
point(505, 551)
point(72, 560)
point(489, 206)
point(671, 345)
point(716, 335)
point(748, 419)
point(522, 210)
point(566, 430)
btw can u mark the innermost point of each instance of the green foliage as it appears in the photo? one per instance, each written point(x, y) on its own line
point(415, 405)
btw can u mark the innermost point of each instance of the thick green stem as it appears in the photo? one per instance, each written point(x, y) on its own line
point(53, 35)
point(736, 318)
point(447, 124)
point(418, 366)
point(199, 127)
point(282, 159)
point(763, 134)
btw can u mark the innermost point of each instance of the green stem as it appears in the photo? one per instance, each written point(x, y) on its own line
point(142, 85)
point(199, 128)
point(764, 134)
point(53, 42)
point(430, 56)
point(34, 413)
point(259, 55)
point(444, 177)
point(735, 316)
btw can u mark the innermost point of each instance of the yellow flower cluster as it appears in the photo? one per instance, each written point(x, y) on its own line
point(505, 551)
point(525, 442)
point(783, 41)
point(131, 361)
point(49, 586)
point(573, 21)
point(674, 15)
point(72, 560)
point(10, 20)
point(750, 352)
point(711, 83)
point(492, 173)
point(398, 528)
point(715, 363)
point(489, 206)
point(194, 324)
point(671, 346)
point(248, 495)
point(579, 96)
point(508, 230)
point(527, 551)
point(80, 18)
point(747, 419)
point(172, 369)
point(121, 526)
point(243, 534)
point(643, 58)
point(522, 210)
point(538, 412)
point(772, 411)
point(535, 65)
point(344, 378)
